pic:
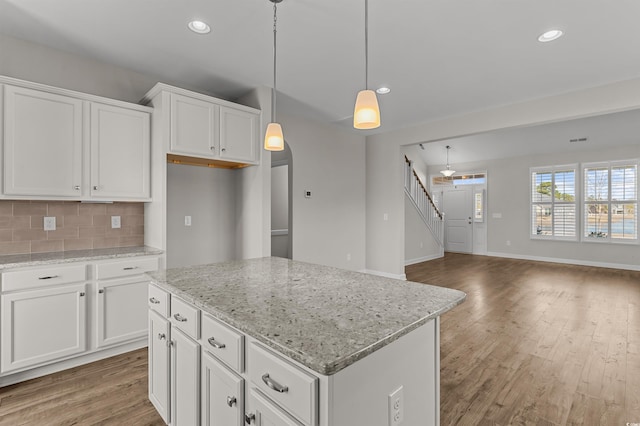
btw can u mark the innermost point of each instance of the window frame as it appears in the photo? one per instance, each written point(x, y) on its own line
point(553, 170)
point(609, 165)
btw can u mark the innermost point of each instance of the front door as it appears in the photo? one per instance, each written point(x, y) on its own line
point(458, 223)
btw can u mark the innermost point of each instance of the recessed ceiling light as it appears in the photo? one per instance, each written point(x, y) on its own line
point(550, 36)
point(382, 90)
point(199, 27)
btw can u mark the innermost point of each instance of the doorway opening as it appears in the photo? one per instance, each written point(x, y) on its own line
point(281, 204)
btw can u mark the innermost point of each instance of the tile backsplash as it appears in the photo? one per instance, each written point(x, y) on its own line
point(79, 226)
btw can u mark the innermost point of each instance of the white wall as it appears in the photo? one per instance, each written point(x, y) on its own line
point(208, 195)
point(508, 194)
point(385, 241)
point(330, 162)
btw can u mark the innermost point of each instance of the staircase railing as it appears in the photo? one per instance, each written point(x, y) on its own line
point(428, 210)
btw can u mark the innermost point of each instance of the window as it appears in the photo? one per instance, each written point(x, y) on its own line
point(553, 202)
point(463, 179)
point(611, 201)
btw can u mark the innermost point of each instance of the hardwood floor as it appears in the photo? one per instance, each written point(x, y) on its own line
point(537, 343)
point(534, 344)
point(108, 392)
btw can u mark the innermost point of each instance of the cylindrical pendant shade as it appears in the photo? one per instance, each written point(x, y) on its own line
point(366, 114)
point(273, 138)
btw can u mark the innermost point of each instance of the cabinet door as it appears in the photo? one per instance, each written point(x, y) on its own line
point(185, 380)
point(40, 326)
point(267, 414)
point(42, 143)
point(222, 394)
point(159, 367)
point(120, 147)
point(238, 135)
point(122, 310)
point(194, 127)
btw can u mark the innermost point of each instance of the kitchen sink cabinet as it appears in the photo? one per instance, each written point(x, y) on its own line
point(65, 145)
point(40, 326)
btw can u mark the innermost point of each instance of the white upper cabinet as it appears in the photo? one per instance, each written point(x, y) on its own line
point(120, 149)
point(194, 127)
point(238, 135)
point(59, 144)
point(42, 143)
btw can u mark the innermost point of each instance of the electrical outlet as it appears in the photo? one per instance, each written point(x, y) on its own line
point(115, 222)
point(187, 221)
point(508, 242)
point(348, 257)
point(396, 407)
point(385, 216)
point(50, 223)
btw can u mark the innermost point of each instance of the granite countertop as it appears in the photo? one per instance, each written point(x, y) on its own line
point(325, 318)
point(39, 259)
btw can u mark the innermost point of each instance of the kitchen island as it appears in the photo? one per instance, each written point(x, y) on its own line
point(295, 343)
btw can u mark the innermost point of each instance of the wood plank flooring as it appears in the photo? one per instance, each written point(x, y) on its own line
point(534, 344)
point(537, 343)
point(107, 392)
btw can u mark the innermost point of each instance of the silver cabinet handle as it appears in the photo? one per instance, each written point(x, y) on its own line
point(101, 291)
point(154, 300)
point(129, 268)
point(48, 277)
point(77, 187)
point(82, 294)
point(213, 148)
point(224, 149)
point(248, 418)
point(215, 344)
point(231, 400)
point(180, 318)
point(161, 336)
point(95, 187)
point(273, 384)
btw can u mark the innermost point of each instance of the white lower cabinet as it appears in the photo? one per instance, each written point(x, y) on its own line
point(60, 316)
point(121, 315)
point(185, 379)
point(40, 326)
point(267, 414)
point(159, 365)
point(222, 394)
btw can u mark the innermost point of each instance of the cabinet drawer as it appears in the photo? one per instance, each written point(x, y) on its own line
point(125, 268)
point(287, 385)
point(185, 317)
point(159, 301)
point(43, 277)
point(223, 342)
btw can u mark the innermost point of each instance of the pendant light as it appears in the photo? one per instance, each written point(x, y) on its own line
point(366, 114)
point(448, 172)
point(273, 138)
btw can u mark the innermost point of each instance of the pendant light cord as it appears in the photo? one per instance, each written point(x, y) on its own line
point(366, 44)
point(274, 90)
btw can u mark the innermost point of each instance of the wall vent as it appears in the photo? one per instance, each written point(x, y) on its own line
point(578, 140)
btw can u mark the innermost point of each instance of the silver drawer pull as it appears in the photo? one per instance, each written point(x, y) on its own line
point(248, 418)
point(215, 344)
point(49, 277)
point(129, 268)
point(101, 291)
point(82, 294)
point(180, 318)
point(231, 400)
point(273, 384)
point(154, 300)
point(161, 336)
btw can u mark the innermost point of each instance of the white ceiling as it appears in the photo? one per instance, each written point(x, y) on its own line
point(603, 131)
point(440, 57)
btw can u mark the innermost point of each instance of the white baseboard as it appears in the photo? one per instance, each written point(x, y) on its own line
point(566, 261)
point(385, 274)
point(423, 259)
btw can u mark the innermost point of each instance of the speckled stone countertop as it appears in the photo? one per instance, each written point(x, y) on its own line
point(325, 318)
point(38, 259)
